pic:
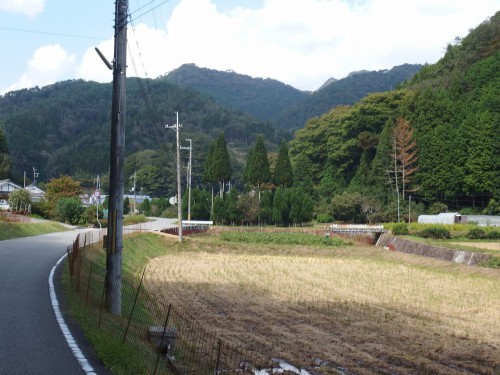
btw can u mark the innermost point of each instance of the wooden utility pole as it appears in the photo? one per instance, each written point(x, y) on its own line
point(116, 163)
point(190, 148)
point(179, 196)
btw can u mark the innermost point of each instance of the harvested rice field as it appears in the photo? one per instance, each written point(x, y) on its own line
point(337, 310)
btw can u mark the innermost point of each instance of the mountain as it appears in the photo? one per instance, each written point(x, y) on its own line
point(283, 105)
point(347, 90)
point(64, 128)
point(262, 98)
point(442, 128)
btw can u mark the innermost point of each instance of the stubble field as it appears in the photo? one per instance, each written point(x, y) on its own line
point(351, 310)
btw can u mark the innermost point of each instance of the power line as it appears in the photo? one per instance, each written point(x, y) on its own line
point(148, 11)
point(52, 33)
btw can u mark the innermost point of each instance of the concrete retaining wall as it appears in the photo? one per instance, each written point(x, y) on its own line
point(410, 247)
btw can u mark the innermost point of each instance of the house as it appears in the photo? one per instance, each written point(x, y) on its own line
point(6, 187)
point(37, 194)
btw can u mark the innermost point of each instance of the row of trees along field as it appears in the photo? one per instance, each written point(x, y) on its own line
point(270, 196)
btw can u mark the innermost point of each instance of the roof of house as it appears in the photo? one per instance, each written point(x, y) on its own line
point(8, 185)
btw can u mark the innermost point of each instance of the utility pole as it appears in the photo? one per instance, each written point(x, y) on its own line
point(179, 199)
point(97, 197)
point(190, 148)
point(409, 209)
point(35, 175)
point(134, 176)
point(114, 241)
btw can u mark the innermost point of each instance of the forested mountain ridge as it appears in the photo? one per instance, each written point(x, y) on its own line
point(345, 91)
point(286, 107)
point(442, 129)
point(64, 128)
point(262, 98)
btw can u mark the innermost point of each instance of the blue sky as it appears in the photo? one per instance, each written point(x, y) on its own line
point(299, 42)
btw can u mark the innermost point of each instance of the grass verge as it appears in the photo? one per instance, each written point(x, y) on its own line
point(107, 337)
point(16, 230)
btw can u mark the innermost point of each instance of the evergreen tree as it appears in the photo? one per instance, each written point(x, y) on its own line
point(219, 212)
point(200, 204)
point(4, 157)
point(220, 164)
point(208, 172)
point(233, 212)
point(257, 168)
point(302, 174)
point(283, 173)
point(280, 206)
point(266, 207)
point(482, 167)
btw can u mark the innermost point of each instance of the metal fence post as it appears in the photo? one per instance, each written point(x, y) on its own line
point(133, 306)
point(219, 344)
point(162, 337)
point(102, 302)
point(88, 284)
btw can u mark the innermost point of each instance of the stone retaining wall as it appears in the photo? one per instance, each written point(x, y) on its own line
point(457, 256)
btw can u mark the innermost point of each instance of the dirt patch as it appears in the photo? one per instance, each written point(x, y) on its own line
point(361, 309)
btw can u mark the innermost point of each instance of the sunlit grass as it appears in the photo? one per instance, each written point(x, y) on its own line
point(17, 230)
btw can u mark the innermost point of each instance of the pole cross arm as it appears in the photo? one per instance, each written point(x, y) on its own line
point(104, 59)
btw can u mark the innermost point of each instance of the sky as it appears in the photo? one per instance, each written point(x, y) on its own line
point(302, 43)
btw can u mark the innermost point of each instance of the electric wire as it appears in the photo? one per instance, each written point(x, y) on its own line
point(149, 11)
point(52, 33)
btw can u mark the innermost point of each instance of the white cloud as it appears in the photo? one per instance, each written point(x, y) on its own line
point(49, 64)
point(302, 43)
point(29, 8)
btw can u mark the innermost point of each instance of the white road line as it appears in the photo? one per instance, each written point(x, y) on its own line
point(86, 367)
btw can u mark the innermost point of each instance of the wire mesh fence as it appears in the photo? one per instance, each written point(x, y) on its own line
point(158, 337)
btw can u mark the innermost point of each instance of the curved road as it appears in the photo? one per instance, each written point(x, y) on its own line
point(31, 341)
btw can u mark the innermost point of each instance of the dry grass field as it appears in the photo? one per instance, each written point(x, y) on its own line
point(351, 310)
point(480, 245)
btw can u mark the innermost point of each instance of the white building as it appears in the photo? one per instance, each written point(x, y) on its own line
point(442, 218)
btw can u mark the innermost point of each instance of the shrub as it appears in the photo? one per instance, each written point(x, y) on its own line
point(493, 235)
point(476, 233)
point(437, 208)
point(69, 210)
point(493, 262)
point(324, 218)
point(435, 232)
point(400, 229)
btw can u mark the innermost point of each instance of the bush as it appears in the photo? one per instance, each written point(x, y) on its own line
point(437, 208)
point(324, 218)
point(476, 234)
point(493, 262)
point(400, 229)
point(69, 210)
point(435, 232)
point(493, 235)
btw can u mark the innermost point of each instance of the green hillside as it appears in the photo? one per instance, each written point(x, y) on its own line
point(348, 90)
point(435, 139)
point(262, 98)
point(283, 105)
point(65, 129)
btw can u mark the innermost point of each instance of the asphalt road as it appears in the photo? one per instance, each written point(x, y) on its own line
point(31, 341)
